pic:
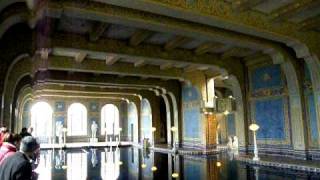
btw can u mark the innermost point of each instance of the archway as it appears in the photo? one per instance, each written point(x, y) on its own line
point(133, 123)
point(77, 120)
point(41, 121)
point(110, 121)
point(146, 120)
point(165, 122)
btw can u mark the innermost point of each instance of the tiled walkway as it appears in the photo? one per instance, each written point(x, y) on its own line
point(285, 163)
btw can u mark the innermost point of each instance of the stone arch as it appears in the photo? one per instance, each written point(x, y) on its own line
point(133, 122)
point(11, 78)
point(146, 119)
point(168, 118)
point(175, 117)
point(24, 96)
point(239, 113)
point(295, 103)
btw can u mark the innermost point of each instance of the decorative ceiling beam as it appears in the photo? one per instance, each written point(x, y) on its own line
point(290, 10)
point(244, 5)
point(97, 31)
point(150, 53)
point(98, 66)
point(176, 42)
point(110, 60)
point(311, 23)
point(190, 68)
point(236, 51)
point(206, 47)
point(139, 36)
point(106, 81)
point(139, 63)
point(166, 66)
point(79, 58)
point(203, 68)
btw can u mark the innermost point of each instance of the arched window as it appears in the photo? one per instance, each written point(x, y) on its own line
point(109, 120)
point(77, 120)
point(41, 121)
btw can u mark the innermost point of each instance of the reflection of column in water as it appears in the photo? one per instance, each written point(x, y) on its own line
point(176, 166)
point(110, 167)
point(256, 172)
point(94, 159)
point(170, 159)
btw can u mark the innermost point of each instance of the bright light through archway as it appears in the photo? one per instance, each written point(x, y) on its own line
point(41, 121)
point(110, 120)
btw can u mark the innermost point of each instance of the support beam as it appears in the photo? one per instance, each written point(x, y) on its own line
point(311, 23)
point(203, 68)
point(289, 11)
point(97, 31)
point(176, 42)
point(79, 58)
point(236, 51)
point(139, 36)
point(110, 60)
point(139, 63)
point(98, 66)
point(150, 53)
point(190, 68)
point(244, 5)
point(166, 66)
point(206, 47)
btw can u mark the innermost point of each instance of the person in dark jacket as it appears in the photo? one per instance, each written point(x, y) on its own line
point(24, 132)
point(19, 165)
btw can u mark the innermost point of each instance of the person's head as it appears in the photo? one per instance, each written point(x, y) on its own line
point(4, 129)
point(30, 130)
point(24, 130)
point(29, 146)
point(12, 139)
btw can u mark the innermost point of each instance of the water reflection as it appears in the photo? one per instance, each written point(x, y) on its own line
point(77, 166)
point(110, 164)
point(132, 163)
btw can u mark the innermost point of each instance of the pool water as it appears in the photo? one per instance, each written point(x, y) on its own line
point(133, 163)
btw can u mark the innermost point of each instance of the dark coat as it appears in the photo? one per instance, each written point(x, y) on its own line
point(16, 167)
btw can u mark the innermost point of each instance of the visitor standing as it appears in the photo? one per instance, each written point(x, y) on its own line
point(24, 132)
point(3, 131)
point(19, 165)
point(11, 143)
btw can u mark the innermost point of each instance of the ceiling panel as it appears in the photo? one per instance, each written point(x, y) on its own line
point(119, 32)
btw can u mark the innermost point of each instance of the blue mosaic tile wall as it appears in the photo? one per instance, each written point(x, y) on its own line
point(312, 117)
point(269, 115)
point(231, 126)
point(268, 107)
point(266, 77)
point(191, 112)
point(311, 106)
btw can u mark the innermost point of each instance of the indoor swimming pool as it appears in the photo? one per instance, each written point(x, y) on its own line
point(133, 163)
